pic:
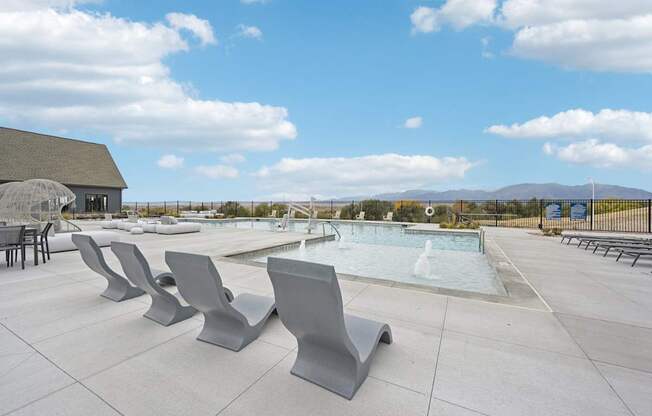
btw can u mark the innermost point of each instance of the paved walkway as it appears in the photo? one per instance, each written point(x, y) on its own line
point(65, 350)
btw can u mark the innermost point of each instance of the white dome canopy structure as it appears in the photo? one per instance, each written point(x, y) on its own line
point(35, 201)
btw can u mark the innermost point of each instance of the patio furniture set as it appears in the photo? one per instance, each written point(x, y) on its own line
point(14, 240)
point(166, 225)
point(335, 350)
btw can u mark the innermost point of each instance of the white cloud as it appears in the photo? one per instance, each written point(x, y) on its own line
point(580, 34)
point(413, 123)
point(199, 27)
point(591, 137)
point(217, 171)
point(523, 13)
point(424, 20)
point(457, 13)
point(620, 45)
point(24, 5)
point(340, 176)
point(604, 155)
point(251, 32)
point(68, 69)
point(170, 162)
point(622, 125)
point(232, 158)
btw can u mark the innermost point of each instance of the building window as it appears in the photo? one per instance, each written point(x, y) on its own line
point(96, 202)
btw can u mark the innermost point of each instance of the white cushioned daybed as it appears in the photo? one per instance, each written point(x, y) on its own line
point(63, 241)
point(110, 224)
point(179, 228)
point(167, 225)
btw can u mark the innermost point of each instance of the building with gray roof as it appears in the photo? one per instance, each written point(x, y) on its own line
point(86, 168)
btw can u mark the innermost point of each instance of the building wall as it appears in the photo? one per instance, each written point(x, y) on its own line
point(114, 197)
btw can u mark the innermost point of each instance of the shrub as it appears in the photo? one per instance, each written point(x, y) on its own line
point(551, 232)
point(409, 211)
point(461, 226)
point(232, 209)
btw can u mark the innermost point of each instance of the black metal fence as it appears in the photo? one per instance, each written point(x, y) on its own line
point(621, 215)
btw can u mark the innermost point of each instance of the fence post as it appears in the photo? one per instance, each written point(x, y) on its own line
point(649, 215)
point(496, 212)
point(352, 208)
point(541, 214)
point(592, 212)
point(251, 214)
point(165, 208)
point(148, 209)
point(177, 207)
point(136, 208)
point(430, 216)
point(461, 205)
point(189, 205)
point(331, 209)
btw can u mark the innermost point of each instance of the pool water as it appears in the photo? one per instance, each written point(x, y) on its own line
point(388, 252)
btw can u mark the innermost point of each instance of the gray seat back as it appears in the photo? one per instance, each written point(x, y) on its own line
point(92, 256)
point(309, 303)
point(12, 235)
point(200, 283)
point(137, 269)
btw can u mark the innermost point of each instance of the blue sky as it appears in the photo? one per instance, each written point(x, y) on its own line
point(339, 80)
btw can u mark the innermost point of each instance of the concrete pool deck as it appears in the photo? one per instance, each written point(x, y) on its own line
point(65, 350)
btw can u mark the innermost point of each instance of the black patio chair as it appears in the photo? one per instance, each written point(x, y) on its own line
point(11, 242)
point(41, 240)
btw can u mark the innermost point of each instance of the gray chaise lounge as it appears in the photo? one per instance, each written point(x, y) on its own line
point(119, 288)
point(335, 349)
point(231, 326)
point(637, 254)
point(166, 308)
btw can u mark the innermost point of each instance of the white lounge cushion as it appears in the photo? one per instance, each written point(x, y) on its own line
point(127, 226)
point(137, 230)
point(180, 228)
point(110, 225)
point(63, 241)
point(148, 228)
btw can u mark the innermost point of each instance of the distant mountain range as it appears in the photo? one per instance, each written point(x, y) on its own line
point(519, 191)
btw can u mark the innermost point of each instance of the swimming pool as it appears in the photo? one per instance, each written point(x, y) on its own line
point(388, 252)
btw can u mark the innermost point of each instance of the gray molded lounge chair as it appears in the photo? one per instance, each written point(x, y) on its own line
point(166, 308)
point(230, 325)
point(119, 288)
point(335, 349)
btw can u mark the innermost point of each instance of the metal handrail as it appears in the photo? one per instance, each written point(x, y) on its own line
point(481, 241)
point(323, 228)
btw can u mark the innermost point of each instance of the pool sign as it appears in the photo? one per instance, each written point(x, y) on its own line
point(578, 211)
point(553, 211)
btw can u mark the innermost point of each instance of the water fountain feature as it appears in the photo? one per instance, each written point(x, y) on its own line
point(422, 267)
point(428, 248)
